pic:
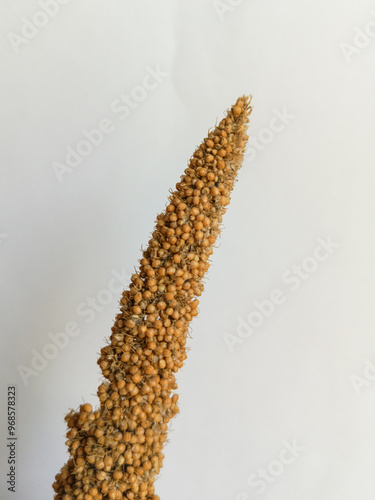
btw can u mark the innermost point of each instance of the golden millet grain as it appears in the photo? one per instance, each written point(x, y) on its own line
point(116, 451)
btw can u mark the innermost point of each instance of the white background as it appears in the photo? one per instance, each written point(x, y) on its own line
point(60, 242)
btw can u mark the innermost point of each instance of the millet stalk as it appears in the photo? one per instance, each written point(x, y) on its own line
point(116, 450)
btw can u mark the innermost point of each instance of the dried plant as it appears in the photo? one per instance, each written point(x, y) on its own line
point(116, 450)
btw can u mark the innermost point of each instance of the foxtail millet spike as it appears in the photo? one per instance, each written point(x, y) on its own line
point(116, 450)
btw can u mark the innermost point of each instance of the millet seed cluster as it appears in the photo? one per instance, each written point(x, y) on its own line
point(116, 450)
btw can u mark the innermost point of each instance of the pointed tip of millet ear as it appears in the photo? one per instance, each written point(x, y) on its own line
point(238, 115)
point(242, 109)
